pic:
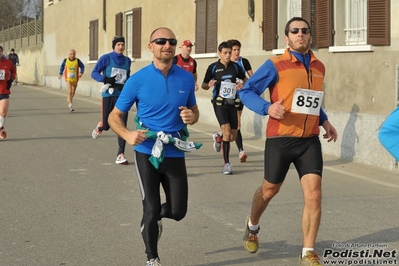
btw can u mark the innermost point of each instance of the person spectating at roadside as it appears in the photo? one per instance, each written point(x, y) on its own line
point(13, 56)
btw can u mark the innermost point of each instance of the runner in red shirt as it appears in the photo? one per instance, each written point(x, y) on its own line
point(7, 75)
point(185, 61)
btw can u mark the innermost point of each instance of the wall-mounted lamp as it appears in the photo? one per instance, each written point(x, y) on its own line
point(251, 9)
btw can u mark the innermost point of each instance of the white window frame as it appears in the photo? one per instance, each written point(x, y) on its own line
point(294, 8)
point(128, 34)
point(355, 22)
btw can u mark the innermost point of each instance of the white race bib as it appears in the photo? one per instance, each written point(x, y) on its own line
point(227, 90)
point(184, 145)
point(71, 75)
point(307, 101)
point(120, 75)
point(2, 74)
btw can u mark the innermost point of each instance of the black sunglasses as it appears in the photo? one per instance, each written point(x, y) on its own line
point(296, 30)
point(162, 41)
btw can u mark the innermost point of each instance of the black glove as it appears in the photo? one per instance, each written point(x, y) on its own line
point(9, 83)
point(110, 80)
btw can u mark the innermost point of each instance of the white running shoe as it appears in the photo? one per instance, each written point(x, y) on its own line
point(71, 107)
point(153, 262)
point(3, 134)
point(217, 141)
point(242, 156)
point(121, 159)
point(227, 169)
point(96, 132)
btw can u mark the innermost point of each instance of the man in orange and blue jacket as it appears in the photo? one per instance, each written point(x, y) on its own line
point(295, 82)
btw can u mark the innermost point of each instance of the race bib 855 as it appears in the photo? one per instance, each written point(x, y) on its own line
point(307, 101)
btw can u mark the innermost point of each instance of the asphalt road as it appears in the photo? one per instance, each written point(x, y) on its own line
point(64, 201)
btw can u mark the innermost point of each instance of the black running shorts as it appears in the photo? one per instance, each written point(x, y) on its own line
point(226, 114)
point(4, 96)
point(107, 106)
point(280, 152)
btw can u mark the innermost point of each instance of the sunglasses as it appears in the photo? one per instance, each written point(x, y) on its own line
point(296, 30)
point(162, 41)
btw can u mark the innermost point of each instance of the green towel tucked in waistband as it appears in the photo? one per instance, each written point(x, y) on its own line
point(161, 138)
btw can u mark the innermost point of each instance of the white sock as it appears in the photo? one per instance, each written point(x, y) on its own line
point(252, 227)
point(2, 121)
point(306, 249)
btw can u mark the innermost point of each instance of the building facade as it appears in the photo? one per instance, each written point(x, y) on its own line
point(355, 39)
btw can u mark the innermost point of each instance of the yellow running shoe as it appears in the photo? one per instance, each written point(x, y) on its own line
point(310, 259)
point(250, 238)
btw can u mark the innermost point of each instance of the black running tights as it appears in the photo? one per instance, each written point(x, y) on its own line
point(172, 175)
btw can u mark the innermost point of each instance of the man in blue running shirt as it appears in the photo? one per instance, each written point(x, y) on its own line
point(164, 95)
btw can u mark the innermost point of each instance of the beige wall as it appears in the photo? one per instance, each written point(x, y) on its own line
point(30, 69)
point(360, 87)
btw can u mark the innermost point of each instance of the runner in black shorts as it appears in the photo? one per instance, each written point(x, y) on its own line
point(7, 75)
point(225, 77)
point(246, 67)
point(295, 82)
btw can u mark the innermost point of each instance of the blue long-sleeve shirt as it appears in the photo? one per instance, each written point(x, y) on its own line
point(389, 134)
point(81, 66)
point(104, 61)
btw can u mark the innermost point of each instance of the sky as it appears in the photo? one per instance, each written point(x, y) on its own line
point(31, 7)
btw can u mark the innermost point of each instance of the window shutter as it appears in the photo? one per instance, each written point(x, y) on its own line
point(306, 10)
point(211, 27)
point(136, 45)
point(93, 53)
point(323, 23)
point(118, 24)
point(200, 26)
point(269, 25)
point(308, 14)
point(378, 22)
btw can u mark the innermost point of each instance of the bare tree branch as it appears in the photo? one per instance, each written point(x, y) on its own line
point(12, 11)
